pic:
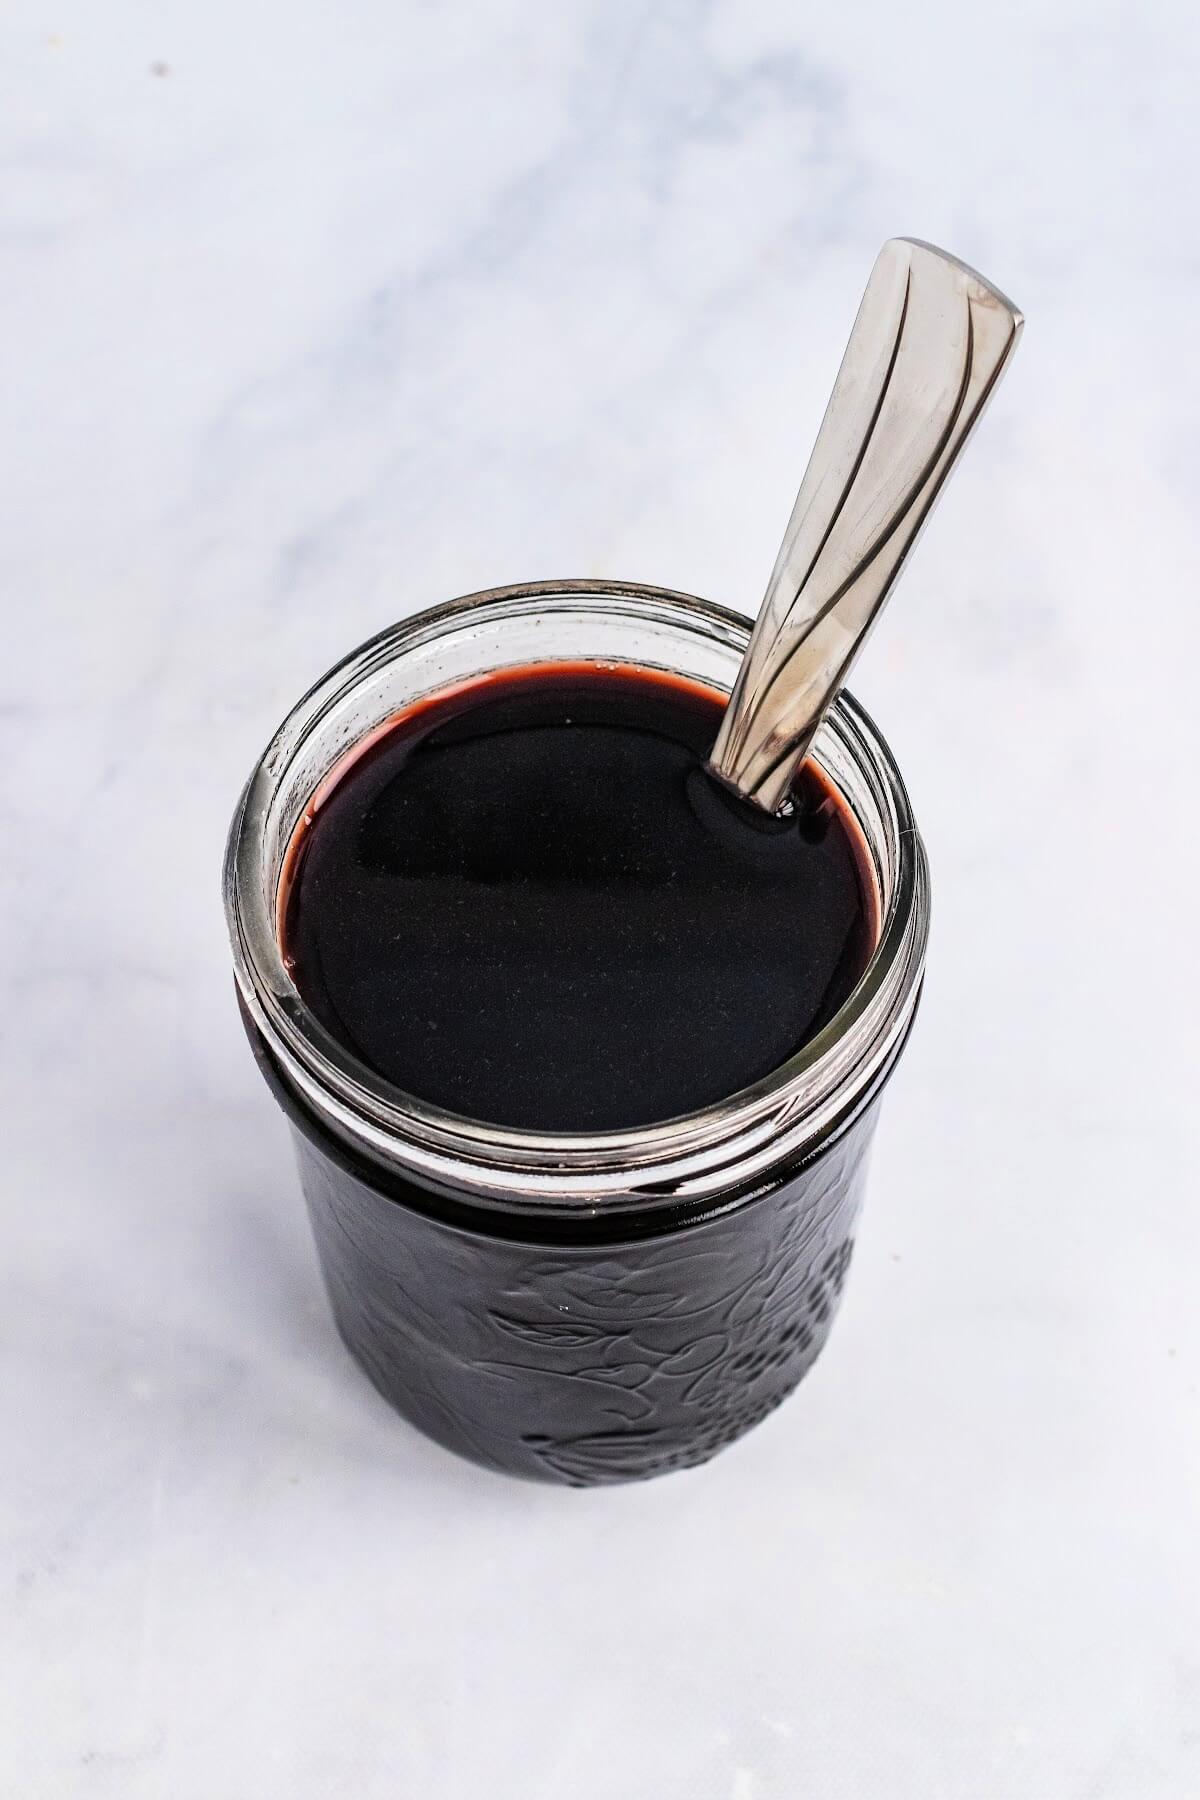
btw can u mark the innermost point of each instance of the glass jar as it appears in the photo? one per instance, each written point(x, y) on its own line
point(584, 1307)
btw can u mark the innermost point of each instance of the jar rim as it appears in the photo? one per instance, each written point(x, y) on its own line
point(734, 1141)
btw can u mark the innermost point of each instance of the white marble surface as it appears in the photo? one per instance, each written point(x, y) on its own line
point(313, 315)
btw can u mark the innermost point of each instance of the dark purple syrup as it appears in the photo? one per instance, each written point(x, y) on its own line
point(525, 901)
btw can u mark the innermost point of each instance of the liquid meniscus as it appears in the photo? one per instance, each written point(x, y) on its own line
point(525, 901)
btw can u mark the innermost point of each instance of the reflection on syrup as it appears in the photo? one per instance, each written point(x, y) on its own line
point(526, 901)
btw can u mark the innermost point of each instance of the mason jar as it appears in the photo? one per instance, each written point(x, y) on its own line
point(577, 1308)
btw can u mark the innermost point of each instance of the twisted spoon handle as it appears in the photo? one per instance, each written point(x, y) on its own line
point(930, 342)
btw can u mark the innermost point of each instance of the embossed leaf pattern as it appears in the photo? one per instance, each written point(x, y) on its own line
point(590, 1364)
point(556, 1334)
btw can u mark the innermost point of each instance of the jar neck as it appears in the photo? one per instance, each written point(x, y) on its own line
point(693, 1160)
point(462, 1208)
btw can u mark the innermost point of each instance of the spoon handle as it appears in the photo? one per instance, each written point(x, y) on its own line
point(930, 342)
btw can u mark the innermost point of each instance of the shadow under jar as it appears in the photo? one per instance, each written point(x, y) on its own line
point(575, 1306)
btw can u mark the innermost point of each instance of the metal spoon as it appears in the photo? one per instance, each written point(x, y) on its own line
point(930, 342)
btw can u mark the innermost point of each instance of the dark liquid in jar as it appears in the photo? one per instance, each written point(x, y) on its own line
point(525, 901)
